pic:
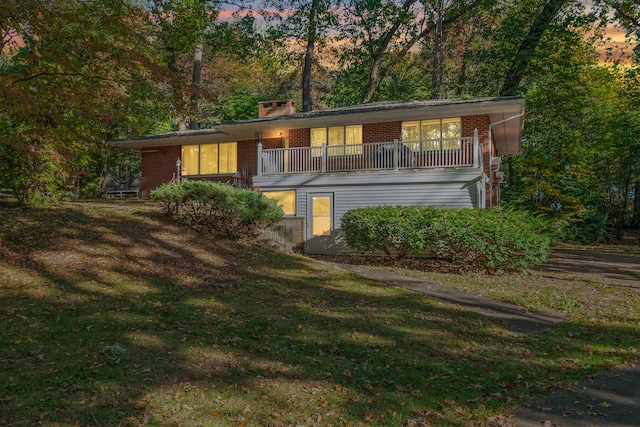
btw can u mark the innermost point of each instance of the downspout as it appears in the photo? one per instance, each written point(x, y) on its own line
point(491, 151)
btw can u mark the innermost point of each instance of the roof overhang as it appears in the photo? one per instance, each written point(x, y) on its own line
point(507, 134)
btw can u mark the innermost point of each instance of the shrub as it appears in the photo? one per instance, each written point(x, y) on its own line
point(218, 208)
point(397, 231)
point(591, 229)
point(487, 239)
point(492, 239)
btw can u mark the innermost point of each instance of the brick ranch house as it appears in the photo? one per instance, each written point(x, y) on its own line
point(320, 164)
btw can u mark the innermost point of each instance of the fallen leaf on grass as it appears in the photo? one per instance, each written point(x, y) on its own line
point(367, 416)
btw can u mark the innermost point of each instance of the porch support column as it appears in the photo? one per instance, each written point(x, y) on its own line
point(395, 155)
point(259, 159)
point(324, 158)
point(476, 149)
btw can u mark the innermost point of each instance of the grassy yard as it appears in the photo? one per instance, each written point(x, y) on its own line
point(112, 315)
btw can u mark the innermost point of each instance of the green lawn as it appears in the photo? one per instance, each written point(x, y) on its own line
point(112, 315)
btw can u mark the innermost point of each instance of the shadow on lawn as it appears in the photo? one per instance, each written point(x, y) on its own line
point(121, 318)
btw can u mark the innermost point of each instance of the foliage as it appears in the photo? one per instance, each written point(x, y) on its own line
point(488, 239)
point(217, 208)
point(69, 70)
point(397, 231)
point(493, 239)
point(580, 152)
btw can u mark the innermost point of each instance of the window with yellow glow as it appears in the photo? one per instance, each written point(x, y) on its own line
point(210, 159)
point(340, 140)
point(286, 199)
point(433, 135)
point(321, 215)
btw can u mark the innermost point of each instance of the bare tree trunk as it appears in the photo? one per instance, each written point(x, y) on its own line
point(375, 77)
point(636, 205)
point(436, 75)
point(624, 200)
point(195, 85)
point(308, 57)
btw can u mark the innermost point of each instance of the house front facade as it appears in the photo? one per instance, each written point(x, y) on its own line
point(320, 164)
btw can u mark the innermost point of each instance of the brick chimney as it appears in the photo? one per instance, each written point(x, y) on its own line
point(276, 108)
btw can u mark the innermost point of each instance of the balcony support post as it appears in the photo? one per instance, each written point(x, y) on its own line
point(259, 159)
point(324, 158)
point(395, 155)
point(476, 149)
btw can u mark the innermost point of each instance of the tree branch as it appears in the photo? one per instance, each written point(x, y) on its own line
point(82, 75)
point(528, 46)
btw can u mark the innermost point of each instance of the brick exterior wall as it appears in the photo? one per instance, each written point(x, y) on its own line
point(299, 138)
point(248, 155)
point(381, 132)
point(158, 167)
point(247, 151)
point(482, 122)
point(159, 163)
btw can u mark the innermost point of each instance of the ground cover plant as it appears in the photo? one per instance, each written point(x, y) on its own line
point(114, 315)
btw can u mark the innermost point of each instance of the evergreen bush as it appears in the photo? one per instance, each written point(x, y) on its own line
point(218, 208)
point(482, 239)
point(396, 231)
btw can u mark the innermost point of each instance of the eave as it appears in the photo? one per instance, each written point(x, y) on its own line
point(507, 135)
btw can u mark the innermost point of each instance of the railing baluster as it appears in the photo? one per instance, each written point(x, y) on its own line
point(451, 152)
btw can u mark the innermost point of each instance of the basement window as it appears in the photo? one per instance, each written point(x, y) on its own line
point(286, 199)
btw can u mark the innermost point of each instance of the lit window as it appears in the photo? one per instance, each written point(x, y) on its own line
point(321, 215)
point(433, 135)
point(286, 200)
point(210, 159)
point(340, 140)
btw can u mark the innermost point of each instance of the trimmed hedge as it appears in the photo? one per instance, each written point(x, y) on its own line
point(218, 208)
point(397, 231)
point(486, 239)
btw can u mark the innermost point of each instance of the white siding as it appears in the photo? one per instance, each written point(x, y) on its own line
point(454, 189)
point(453, 195)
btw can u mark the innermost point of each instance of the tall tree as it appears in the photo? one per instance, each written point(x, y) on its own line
point(182, 25)
point(382, 34)
point(309, 54)
point(69, 69)
point(524, 54)
point(309, 22)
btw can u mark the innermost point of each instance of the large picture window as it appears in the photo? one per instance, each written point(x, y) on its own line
point(210, 159)
point(433, 135)
point(340, 140)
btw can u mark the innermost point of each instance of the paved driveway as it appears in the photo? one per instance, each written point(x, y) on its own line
point(605, 267)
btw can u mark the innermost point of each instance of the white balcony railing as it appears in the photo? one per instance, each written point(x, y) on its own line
point(444, 153)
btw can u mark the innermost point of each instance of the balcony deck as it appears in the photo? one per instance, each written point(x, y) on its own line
point(428, 154)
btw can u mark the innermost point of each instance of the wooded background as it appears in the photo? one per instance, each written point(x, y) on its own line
point(75, 74)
